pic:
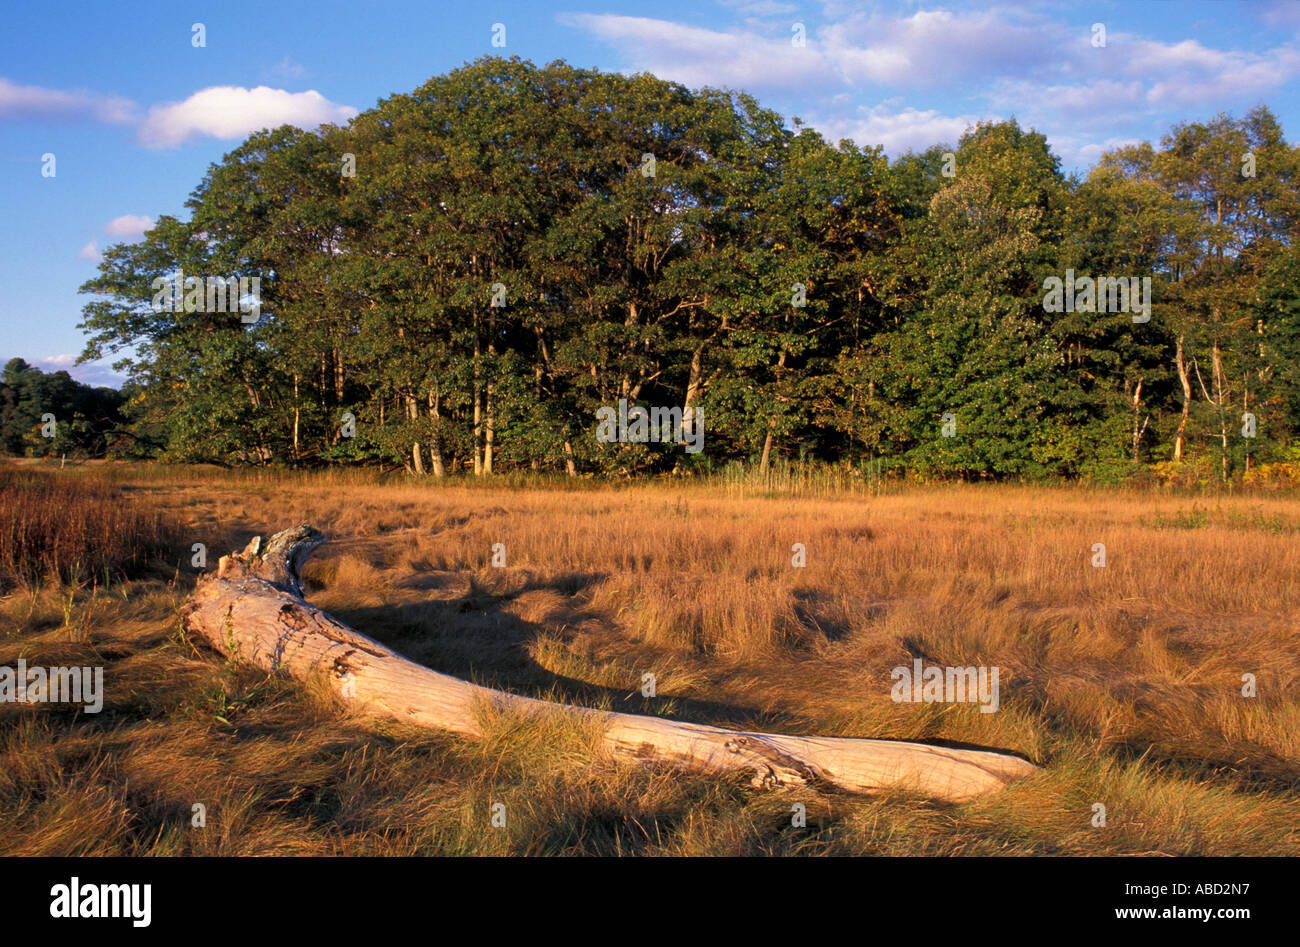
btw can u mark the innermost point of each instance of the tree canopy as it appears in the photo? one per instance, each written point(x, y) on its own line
point(52, 414)
point(460, 278)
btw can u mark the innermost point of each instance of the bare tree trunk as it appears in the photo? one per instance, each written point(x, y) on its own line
point(413, 414)
point(1245, 407)
point(435, 439)
point(1137, 411)
point(478, 405)
point(489, 430)
point(252, 609)
point(1265, 369)
point(489, 433)
point(771, 424)
point(1216, 363)
point(1186, 382)
point(695, 385)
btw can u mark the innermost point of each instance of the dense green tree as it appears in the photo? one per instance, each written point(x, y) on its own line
point(52, 414)
point(460, 278)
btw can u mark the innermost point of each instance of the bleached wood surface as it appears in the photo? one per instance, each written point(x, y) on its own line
point(253, 609)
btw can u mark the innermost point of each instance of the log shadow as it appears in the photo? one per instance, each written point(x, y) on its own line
point(474, 638)
point(813, 610)
point(1266, 772)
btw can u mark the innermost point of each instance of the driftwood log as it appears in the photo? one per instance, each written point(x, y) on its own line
point(252, 609)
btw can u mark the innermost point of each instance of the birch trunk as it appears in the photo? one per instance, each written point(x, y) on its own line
point(1181, 363)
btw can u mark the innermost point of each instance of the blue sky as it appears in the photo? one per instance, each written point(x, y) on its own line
point(134, 113)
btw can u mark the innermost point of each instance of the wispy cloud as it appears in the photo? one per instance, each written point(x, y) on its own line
point(898, 129)
point(697, 57)
point(934, 47)
point(1188, 73)
point(224, 112)
point(91, 373)
point(761, 8)
point(286, 68)
point(37, 102)
point(998, 61)
point(1276, 12)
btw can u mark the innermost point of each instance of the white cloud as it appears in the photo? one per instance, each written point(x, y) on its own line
point(226, 112)
point(129, 225)
point(91, 373)
point(1076, 152)
point(37, 102)
point(1074, 101)
point(897, 130)
point(1027, 62)
point(1102, 105)
point(699, 57)
point(1189, 74)
point(90, 252)
point(932, 47)
point(231, 112)
point(926, 48)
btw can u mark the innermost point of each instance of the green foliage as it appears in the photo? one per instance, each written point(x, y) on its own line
point(86, 421)
point(688, 248)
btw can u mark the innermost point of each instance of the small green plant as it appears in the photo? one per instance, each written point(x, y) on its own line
point(223, 706)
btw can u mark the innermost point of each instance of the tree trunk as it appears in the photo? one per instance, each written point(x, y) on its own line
point(1137, 411)
point(1186, 382)
point(435, 439)
point(1245, 406)
point(694, 390)
point(253, 609)
point(489, 433)
point(478, 406)
point(771, 423)
point(412, 413)
point(489, 428)
point(1217, 365)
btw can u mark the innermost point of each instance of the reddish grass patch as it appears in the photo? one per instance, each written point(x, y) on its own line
point(73, 528)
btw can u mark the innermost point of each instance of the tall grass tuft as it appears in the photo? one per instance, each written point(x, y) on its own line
point(73, 528)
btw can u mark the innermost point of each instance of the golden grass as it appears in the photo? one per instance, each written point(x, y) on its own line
point(1125, 682)
point(72, 528)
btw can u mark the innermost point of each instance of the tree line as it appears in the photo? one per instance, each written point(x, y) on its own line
point(463, 276)
point(53, 414)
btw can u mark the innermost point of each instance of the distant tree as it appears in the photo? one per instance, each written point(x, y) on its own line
point(86, 420)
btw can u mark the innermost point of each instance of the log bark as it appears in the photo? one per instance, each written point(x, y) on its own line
point(252, 609)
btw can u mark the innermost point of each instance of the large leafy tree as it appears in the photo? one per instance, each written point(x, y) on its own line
point(460, 277)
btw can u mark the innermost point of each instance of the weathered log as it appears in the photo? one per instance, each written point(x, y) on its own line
point(253, 610)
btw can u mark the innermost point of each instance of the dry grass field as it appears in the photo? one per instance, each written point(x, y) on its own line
point(1124, 681)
